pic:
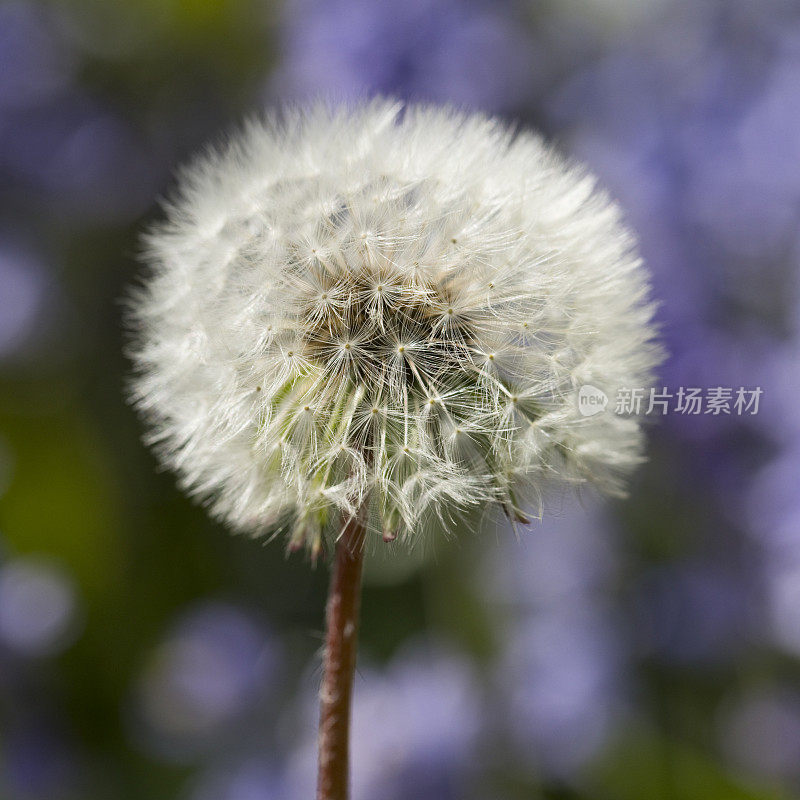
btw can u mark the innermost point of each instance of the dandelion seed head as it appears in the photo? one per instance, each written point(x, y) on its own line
point(391, 306)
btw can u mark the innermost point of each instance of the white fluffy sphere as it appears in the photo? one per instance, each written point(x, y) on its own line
point(389, 308)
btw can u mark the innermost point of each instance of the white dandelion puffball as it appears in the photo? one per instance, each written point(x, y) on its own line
point(390, 308)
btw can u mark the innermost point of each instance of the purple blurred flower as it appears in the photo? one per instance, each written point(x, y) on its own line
point(773, 508)
point(775, 521)
point(775, 504)
point(35, 764)
point(561, 695)
point(34, 66)
point(782, 376)
point(560, 674)
point(694, 612)
point(39, 609)
point(566, 559)
point(79, 158)
point(213, 666)
point(695, 143)
point(25, 289)
point(57, 145)
point(474, 54)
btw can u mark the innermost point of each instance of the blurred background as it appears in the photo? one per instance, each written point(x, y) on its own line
point(645, 649)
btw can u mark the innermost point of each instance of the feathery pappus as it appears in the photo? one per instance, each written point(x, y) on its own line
point(388, 308)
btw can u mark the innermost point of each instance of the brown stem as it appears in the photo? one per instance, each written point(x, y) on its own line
point(339, 662)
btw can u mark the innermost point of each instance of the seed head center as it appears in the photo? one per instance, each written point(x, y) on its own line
point(383, 322)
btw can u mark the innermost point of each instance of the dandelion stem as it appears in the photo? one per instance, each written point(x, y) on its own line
point(339, 661)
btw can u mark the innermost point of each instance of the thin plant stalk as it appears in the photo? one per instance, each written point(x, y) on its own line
point(339, 662)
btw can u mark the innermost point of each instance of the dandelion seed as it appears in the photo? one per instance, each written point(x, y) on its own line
point(360, 329)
